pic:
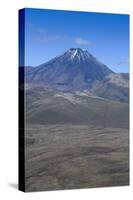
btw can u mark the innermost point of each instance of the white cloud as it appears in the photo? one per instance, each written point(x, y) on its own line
point(81, 41)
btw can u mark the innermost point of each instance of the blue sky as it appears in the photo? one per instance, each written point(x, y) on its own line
point(48, 33)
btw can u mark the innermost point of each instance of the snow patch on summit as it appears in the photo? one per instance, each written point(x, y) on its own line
point(74, 54)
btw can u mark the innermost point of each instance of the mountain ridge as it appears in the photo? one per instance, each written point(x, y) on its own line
point(78, 70)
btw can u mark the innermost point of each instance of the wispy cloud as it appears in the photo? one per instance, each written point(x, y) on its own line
point(40, 30)
point(81, 41)
point(123, 62)
point(35, 29)
point(48, 38)
point(42, 34)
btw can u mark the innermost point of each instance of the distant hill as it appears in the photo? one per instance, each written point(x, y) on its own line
point(48, 106)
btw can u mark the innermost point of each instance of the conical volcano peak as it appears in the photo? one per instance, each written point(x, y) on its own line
point(78, 70)
point(75, 49)
point(78, 50)
point(75, 69)
point(78, 54)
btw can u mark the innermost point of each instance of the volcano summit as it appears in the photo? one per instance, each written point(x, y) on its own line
point(78, 70)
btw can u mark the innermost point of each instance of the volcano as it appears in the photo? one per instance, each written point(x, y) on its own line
point(79, 70)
